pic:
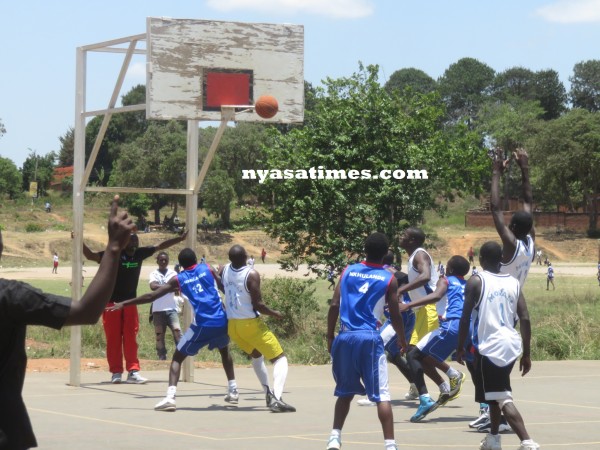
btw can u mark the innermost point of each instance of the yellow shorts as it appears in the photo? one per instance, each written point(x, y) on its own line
point(426, 321)
point(250, 334)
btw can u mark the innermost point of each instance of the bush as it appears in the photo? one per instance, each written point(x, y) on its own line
point(295, 300)
point(33, 228)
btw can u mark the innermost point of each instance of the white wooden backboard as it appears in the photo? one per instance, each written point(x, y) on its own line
point(181, 52)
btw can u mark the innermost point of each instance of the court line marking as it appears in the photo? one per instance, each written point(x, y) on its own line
point(307, 436)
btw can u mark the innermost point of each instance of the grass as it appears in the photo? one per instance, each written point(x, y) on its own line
point(565, 325)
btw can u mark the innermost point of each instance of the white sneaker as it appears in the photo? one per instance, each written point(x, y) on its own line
point(365, 402)
point(134, 377)
point(232, 397)
point(166, 404)
point(530, 446)
point(334, 443)
point(490, 442)
point(116, 378)
point(412, 394)
point(484, 417)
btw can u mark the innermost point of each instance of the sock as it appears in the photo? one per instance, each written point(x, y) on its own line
point(232, 385)
point(444, 387)
point(171, 390)
point(336, 433)
point(452, 373)
point(527, 442)
point(424, 397)
point(260, 369)
point(484, 406)
point(390, 444)
point(280, 370)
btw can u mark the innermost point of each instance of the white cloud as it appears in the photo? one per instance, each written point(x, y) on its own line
point(339, 9)
point(136, 72)
point(571, 11)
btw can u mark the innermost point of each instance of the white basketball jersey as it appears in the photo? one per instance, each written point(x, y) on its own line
point(521, 261)
point(238, 303)
point(494, 318)
point(428, 288)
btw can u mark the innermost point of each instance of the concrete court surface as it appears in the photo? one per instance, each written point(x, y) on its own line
point(560, 402)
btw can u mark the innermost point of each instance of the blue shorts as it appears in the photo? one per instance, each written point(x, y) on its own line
point(390, 339)
point(358, 357)
point(441, 343)
point(197, 337)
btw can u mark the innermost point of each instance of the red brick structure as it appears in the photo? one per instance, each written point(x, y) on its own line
point(58, 176)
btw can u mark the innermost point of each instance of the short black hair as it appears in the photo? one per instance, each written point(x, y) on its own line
point(187, 258)
point(165, 254)
point(521, 222)
point(237, 255)
point(491, 253)
point(376, 246)
point(458, 265)
point(417, 234)
point(389, 258)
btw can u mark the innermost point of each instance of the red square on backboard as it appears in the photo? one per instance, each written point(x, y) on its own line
point(226, 87)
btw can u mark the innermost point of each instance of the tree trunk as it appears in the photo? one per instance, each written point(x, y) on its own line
point(593, 212)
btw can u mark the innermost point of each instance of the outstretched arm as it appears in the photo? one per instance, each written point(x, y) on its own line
point(171, 242)
point(89, 254)
point(440, 290)
point(509, 241)
point(523, 161)
point(171, 286)
point(90, 307)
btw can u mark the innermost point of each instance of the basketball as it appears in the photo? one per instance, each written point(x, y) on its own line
point(266, 106)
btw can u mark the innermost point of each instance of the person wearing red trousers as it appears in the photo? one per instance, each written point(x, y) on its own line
point(121, 327)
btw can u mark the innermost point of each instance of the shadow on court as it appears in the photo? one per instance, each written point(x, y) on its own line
point(559, 401)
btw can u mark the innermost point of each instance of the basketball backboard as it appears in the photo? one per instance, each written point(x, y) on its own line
point(196, 66)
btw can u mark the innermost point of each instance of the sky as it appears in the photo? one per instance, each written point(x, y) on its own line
point(39, 40)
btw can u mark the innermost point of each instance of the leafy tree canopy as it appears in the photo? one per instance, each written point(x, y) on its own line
point(357, 125)
point(411, 78)
point(585, 85)
point(10, 178)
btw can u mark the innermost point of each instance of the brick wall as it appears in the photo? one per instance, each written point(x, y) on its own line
point(565, 221)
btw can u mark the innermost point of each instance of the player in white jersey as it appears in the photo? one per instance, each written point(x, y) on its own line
point(494, 302)
point(518, 248)
point(243, 305)
point(422, 281)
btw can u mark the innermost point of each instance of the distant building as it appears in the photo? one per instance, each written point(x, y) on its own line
point(58, 178)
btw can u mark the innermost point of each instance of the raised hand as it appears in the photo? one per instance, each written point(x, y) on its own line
point(120, 226)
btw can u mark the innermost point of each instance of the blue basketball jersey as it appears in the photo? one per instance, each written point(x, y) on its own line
point(456, 297)
point(362, 289)
point(198, 285)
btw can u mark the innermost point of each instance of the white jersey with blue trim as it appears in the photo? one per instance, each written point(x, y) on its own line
point(521, 261)
point(363, 288)
point(238, 303)
point(428, 288)
point(494, 318)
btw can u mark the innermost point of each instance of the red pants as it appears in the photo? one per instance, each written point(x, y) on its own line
point(121, 328)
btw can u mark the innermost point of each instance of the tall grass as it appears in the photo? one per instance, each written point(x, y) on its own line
point(565, 323)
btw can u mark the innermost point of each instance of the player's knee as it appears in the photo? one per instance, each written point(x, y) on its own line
point(415, 354)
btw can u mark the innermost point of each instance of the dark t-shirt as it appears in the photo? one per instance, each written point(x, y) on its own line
point(128, 275)
point(21, 305)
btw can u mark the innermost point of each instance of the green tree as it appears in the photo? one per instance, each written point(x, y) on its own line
point(411, 78)
point(551, 93)
point(10, 178)
point(464, 87)
point(357, 125)
point(67, 148)
point(218, 193)
point(585, 85)
point(38, 168)
point(155, 159)
point(567, 153)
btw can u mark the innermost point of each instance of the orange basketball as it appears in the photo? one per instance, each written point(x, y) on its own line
point(266, 106)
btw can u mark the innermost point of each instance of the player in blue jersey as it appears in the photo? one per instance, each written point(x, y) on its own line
point(439, 344)
point(357, 353)
point(493, 305)
point(198, 282)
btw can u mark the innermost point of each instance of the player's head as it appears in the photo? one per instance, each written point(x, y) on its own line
point(133, 244)
point(457, 266)
point(412, 238)
point(187, 258)
point(237, 256)
point(162, 259)
point(388, 258)
point(521, 223)
point(490, 256)
point(376, 247)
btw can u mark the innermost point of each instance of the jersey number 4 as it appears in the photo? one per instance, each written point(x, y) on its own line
point(364, 288)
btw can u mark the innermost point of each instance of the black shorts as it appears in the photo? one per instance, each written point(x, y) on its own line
point(492, 382)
